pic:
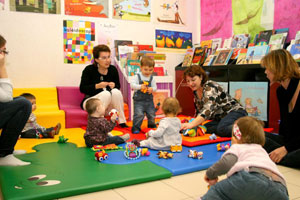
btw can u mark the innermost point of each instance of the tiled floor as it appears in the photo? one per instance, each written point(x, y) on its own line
point(185, 187)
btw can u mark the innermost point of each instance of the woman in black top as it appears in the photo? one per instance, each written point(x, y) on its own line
point(285, 147)
point(101, 80)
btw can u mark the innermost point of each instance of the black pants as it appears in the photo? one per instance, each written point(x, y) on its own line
point(273, 141)
point(34, 133)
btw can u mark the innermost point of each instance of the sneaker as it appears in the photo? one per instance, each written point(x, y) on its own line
point(57, 128)
point(19, 152)
point(123, 125)
point(125, 137)
point(51, 134)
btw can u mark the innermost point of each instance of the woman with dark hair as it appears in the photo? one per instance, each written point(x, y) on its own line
point(14, 113)
point(285, 147)
point(101, 80)
point(211, 103)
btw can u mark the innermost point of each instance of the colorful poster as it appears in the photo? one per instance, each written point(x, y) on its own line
point(171, 11)
point(158, 98)
point(137, 10)
point(287, 15)
point(253, 96)
point(166, 40)
point(91, 8)
point(247, 17)
point(36, 6)
point(107, 33)
point(79, 38)
point(1, 4)
point(216, 19)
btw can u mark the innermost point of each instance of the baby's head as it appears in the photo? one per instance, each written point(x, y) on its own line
point(248, 130)
point(94, 107)
point(31, 98)
point(171, 106)
point(147, 66)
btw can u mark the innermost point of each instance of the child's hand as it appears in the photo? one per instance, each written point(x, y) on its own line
point(147, 135)
point(210, 181)
point(150, 90)
point(114, 117)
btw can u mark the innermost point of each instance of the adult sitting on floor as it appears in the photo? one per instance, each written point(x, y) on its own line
point(211, 103)
point(14, 113)
point(285, 147)
point(101, 80)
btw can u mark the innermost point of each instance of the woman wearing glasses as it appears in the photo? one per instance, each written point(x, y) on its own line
point(101, 80)
point(14, 113)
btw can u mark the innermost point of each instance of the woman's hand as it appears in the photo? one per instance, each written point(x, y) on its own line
point(185, 126)
point(210, 181)
point(101, 85)
point(111, 85)
point(277, 155)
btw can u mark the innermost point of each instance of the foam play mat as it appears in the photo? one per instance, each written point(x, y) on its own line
point(202, 140)
point(61, 170)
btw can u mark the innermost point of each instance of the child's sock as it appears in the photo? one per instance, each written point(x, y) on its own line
point(125, 137)
point(19, 152)
point(10, 160)
point(57, 128)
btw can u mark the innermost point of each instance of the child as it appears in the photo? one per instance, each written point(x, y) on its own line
point(167, 133)
point(98, 128)
point(32, 129)
point(144, 85)
point(251, 173)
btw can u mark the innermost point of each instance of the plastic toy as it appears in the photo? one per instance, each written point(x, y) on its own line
point(164, 155)
point(196, 131)
point(112, 112)
point(223, 147)
point(62, 139)
point(213, 137)
point(195, 154)
point(146, 89)
point(176, 148)
point(144, 152)
point(101, 155)
point(105, 147)
point(131, 152)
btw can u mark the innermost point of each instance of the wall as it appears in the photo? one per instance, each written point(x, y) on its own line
point(35, 43)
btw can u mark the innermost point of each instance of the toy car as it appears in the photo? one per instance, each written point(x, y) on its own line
point(101, 155)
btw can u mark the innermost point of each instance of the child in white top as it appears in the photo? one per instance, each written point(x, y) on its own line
point(167, 133)
point(250, 171)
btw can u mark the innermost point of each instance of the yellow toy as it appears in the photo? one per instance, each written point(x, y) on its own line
point(164, 154)
point(176, 148)
point(146, 89)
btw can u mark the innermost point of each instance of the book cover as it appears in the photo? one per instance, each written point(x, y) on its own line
point(158, 71)
point(223, 57)
point(133, 67)
point(120, 43)
point(297, 37)
point(242, 57)
point(187, 60)
point(281, 30)
point(295, 51)
point(141, 47)
point(216, 43)
point(263, 37)
point(199, 56)
point(277, 41)
point(209, 60)
point(227, 43)
point(256, 53)
point(206, 43)
point(240, 41)
point(235, 53)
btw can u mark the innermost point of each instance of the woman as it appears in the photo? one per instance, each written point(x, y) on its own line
point(285, 147)
point(101, 80)
point(211, 103)
point(14, 113)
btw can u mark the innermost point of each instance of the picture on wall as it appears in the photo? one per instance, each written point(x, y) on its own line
point(36, 6)
point(79, 38)
point(158, 98)
point(91, 8)
point(253, 96)
point(172, 40)
point(1, 4)
point(171, 11)
point(137, 10)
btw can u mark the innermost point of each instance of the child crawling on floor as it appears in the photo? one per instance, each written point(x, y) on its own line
point(98, 127)
point(167, 133)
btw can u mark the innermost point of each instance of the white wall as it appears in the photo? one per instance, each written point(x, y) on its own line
point(35, 44)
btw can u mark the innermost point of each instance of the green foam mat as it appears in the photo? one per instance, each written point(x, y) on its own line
point(62, 170)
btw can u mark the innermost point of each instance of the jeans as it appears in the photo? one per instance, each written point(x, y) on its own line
point(247, 186)
point(13, 117)
point(34, 133)
point(273, 141)
point(223, 128)
point(141, 107)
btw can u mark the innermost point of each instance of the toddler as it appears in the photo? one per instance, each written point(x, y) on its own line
point(98, 127)
point(32, 129)
point(251, 174)
point(167, 133)
point(144, 85)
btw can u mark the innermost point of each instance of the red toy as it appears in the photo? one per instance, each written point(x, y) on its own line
point(101, 155)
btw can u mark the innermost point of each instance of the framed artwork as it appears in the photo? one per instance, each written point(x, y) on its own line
point(90, 8)
point(35, 6)
point(253, 96)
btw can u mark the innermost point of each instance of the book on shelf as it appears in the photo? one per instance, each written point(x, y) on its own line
point(120, 43)
point(256, 53)
point(297, 37)
point(133, 67)
point(159, 71)
point(216, 43)
point(123, 54)
point(277, 41)
point(282, 30)
point(141, 47)
point(242, 57)
point(209, 60)
point(235, 53)
point(295, 51)
point(240, 41)
point(264, 37)
point(227, 43)
point(188, 57)
point(222, 57)
point(199, 56)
